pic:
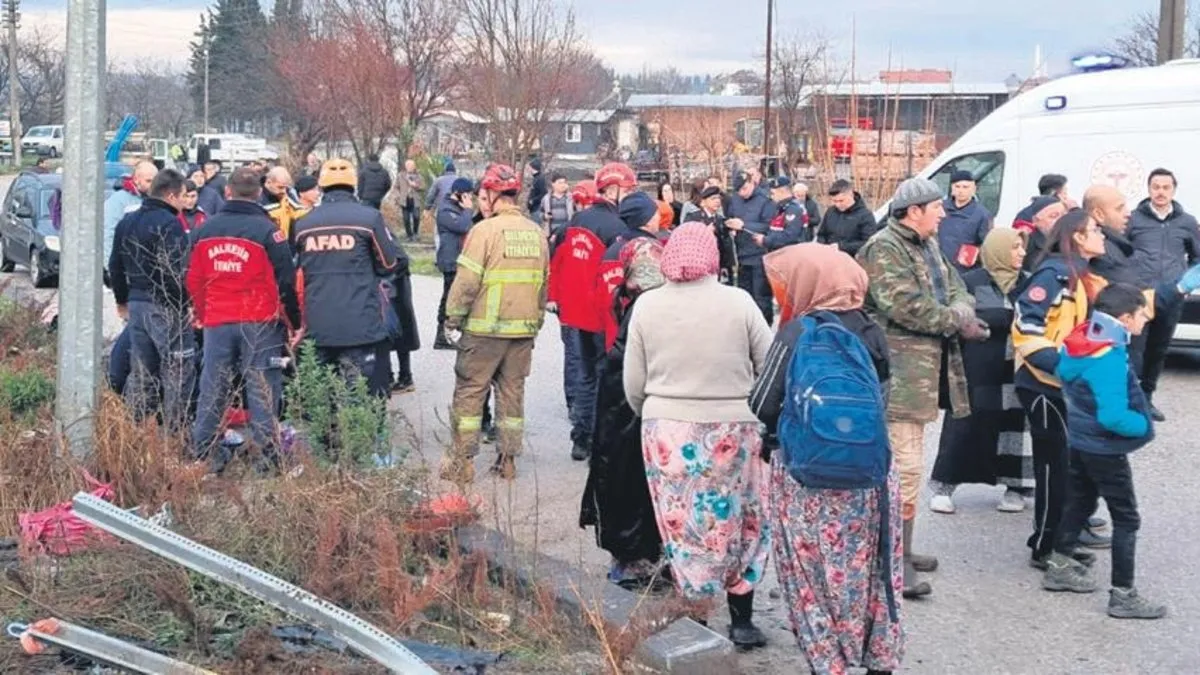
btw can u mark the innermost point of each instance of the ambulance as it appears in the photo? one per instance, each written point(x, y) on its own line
point(1111, 126)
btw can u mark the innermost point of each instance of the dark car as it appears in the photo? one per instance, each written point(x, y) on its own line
point(29, 230)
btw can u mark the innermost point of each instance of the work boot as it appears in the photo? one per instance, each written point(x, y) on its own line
point(1066, 574)
point(922, 563)
point(505, 467)
point(440, 341)
point(580, 451)
point(459, 471)
point(914, 587)
point(742, 631)
point(1125, 603)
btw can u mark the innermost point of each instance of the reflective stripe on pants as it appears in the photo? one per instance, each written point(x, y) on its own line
point(484, 362)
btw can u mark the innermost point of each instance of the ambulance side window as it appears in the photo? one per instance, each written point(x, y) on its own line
point(988, 170)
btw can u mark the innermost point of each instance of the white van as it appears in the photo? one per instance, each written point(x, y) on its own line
point(1111, 127)
point(44, 140)
point(233, 148)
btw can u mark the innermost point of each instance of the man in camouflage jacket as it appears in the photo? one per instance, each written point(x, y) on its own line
point(921, 303)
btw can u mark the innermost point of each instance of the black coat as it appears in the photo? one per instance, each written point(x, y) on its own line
point(1116, 265)
point(814, 212)
point(1165, 249)
point(616, 499)
point(149, 256)
point(537, 192)
point(848, 229)
point(374, 182)
point(726, 248)
point(402, 305)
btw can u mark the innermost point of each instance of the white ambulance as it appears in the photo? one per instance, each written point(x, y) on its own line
point(1112, 126)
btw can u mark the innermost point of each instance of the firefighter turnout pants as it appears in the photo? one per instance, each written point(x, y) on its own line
point(481, 360)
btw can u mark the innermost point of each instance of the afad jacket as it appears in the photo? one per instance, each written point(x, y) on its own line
point(575, 266)
point(1107, 411)
point(1048, 309)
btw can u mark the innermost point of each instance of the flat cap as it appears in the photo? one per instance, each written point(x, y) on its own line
point(916, 192)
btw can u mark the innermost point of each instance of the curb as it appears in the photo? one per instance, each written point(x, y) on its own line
point(683, 646)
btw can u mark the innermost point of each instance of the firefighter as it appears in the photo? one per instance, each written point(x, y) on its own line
point(242, 284)
point(495, 310)
point(280, 202)
point(347, 259)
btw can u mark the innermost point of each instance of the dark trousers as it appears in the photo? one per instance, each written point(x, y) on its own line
point(120, 362)
point(591, 354)
point(371, 362)
point(1048, 431)
point(570, 340)
point(411, 217)
point(1148, 351)
point(253, 353)
point(163, 358)
point(447, 282)
point(753, 280)
point(1092, 476)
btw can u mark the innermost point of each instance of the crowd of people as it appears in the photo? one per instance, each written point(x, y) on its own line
point(795, 430)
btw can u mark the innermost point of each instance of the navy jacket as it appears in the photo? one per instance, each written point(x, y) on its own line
point(348, 258)
point(967, 226)
point(149, 257)
point(601, 219)
point(374, 181)
point(756, 214)
point(1116, 265)
point(1163, 249)
point(788, 226)
point(848, 229)
point(1107, 412)
point(453, 224)
point(209, 200)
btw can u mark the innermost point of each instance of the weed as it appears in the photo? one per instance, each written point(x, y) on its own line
point(24, 391)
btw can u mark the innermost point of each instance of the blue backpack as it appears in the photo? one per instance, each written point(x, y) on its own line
point(833, 428)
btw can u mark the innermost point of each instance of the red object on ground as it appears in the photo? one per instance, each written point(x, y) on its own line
point(236, 417)
point(30, 644)
point(57, 530)
point(444, 513)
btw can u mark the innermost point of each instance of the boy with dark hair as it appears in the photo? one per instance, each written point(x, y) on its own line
point(1108, 417)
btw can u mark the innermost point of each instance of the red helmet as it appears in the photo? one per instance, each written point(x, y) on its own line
point(500, 178)
point(584, 193)
point(615, 173)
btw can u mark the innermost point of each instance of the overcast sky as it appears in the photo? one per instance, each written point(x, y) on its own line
point(981, 40)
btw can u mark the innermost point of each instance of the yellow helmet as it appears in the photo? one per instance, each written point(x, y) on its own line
point(335, 172)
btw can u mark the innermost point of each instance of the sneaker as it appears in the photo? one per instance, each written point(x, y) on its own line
point(1090, 539)
point(1085, 558)
point(232, 439)
point(941, 504)
point(1096, 523)
point(580, 452)
point(1125, 603)
point(1158, 416)
point(1065, 574)
point(1011, 502)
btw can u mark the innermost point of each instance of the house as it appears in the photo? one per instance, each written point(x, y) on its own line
point(452, 133)
point(577, 134)
point(698, 125)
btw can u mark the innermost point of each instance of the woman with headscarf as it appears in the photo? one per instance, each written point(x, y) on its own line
point(828, 554)
point(700, 441)
point(616, 499)
point(666, 195)
point(989, 446)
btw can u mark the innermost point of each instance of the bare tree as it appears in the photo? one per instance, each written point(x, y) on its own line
point(42, 76)
point(154, 91)
point(522, 60)
point(1140, 43)
point(797, 64)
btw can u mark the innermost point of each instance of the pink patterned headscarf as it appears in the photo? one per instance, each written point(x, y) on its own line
point(691, 253)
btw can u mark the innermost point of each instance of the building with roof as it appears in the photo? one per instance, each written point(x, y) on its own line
point(699, 126)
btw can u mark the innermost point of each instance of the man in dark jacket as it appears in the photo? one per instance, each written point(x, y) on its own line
point(243, 287)
point(374, 182)
point(206, 195)
point(749, 216)
point(213, 169)
point(1166, 242)
point(710, 214)
point(848, 222)
point(966, 224)
point(440, 188)
point(347, 258)
point(1106, 205)
point(146, 269)
point(454, 221)
point(537, 190)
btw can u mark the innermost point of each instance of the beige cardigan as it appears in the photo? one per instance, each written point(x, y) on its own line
point(693, 353)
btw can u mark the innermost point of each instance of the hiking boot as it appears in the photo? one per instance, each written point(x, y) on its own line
point(1011, 502)
point(1065, 574)
point(1125, 603)
point(1090, 539)
point(914, 587)
point(580, 452)
point(505, 468)
point(1085, 558)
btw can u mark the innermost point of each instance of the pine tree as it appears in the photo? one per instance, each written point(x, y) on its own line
point(236, 34)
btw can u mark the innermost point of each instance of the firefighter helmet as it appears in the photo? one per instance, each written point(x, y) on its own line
point(500, 178)
point(615, 173)
point(584, 193)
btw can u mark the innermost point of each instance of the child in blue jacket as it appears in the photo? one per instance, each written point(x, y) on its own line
point(1107, 418)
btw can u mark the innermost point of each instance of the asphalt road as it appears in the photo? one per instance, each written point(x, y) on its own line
point(987, 613)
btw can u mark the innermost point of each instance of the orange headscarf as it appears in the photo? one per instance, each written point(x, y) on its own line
point(810, 277)
point(666, 216)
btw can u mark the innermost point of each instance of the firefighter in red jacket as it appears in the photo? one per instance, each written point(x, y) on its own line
point(574, 274)
point(242, 284)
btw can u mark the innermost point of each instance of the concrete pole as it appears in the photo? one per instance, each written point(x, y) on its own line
point(80, 319)
point(1172, 16)
point(11, 17)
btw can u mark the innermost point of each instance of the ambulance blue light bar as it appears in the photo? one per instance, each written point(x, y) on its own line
point(1092, 62)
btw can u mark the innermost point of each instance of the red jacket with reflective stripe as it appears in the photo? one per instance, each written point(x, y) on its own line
point(241, 269)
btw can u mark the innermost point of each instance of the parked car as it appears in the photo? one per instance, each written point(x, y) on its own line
point(29, 234)
point(44, 140)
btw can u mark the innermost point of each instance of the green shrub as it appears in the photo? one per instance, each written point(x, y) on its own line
point(25, 391)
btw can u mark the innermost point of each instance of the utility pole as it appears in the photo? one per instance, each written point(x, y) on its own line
point(767, 93)
point(207, 49)
point(1172, 15)
point(80, 321)
point(12, 17)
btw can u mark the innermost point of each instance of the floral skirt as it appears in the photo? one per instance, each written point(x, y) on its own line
point(828, 562)
point(708, 485)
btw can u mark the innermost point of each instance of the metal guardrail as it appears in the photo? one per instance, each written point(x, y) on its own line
point(107, 650)
point(361, 636)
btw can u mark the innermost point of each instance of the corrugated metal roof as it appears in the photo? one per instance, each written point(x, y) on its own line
point(580, 116)
point(641, 101)
point(911, 89)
